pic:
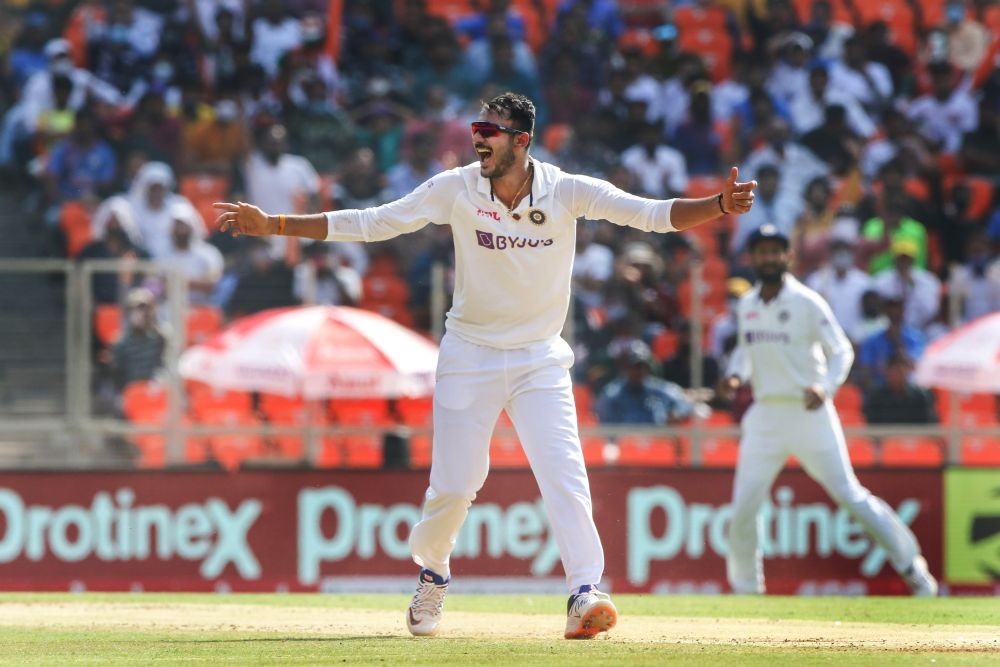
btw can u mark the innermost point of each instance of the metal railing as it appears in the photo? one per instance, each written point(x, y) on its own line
point(81, 435)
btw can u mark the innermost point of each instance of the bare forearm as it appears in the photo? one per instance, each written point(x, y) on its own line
point(309, 226)
point(688, 213)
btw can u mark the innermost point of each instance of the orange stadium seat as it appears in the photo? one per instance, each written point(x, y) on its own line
point(980, 189)
point(642, 450)
point(593, 451)
point(202, 323)
point(231, 449)
point(287, 409)
point(506, 452)
point(360, 411)
point(203, 190)
point(848, 398)
point(912, 451)
point(420, 451)
point(862, 451)
point(714, 46)
point(695, 18)
point(108, 323)
point(416, 411)
point(980, 450)
point(74, 221)
point(973, 409)
point(664, 345)
point(932, 13)
point(362, 451)
point(210, 405)
point(145, 402)
point(718, 451)
point(583, 397)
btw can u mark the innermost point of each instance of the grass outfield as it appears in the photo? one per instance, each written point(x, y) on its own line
point(485, 630)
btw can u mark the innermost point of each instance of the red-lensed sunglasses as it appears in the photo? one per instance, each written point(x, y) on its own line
point(489, 130)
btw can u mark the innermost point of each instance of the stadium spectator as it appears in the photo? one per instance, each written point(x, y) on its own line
point(828, 35)
point(276, 180)
point(38, 95)
point(637, 397)
point(834, 142)
point(698, 138)
point(873, 318)
point(899, 401)
point(843, 284)
point(796, 164)
point(678, 367)
point(810, 237)
point(660, 169)
point(83, 165)
point(324, 279)
point(789, 77)
point(154, 204)
point(947, 112)
point(319, 131)
point(868, 82)
point(593, 266)
point(897, 338)
point(772, 205)
point(980, 151)
point(217, 142)
point(808, 108)
point(722, 331)
point(919, 289)
point(200, 263)
point(139, 353)
point(274, 32)
point(891, 226)
point(968, 38)
point(113, 243)
point(416, 168)
point(261, 282)
point(976, 282)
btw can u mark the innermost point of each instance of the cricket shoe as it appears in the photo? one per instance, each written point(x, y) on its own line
point(424, 614)
point(588, 613)
point(920, 580)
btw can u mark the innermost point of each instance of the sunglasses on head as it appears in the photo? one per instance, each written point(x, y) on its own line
point(488, 130)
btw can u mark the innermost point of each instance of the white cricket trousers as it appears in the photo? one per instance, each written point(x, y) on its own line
point(771, 433)
point(474, 383)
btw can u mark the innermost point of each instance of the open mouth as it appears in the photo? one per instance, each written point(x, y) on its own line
point(485, 153)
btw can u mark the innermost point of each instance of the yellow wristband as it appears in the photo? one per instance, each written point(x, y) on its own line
point(281, 224)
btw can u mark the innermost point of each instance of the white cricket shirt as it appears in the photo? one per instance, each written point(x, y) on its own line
point(512, 277)
point(789, 343)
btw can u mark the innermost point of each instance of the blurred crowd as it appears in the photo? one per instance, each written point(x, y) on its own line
point(873, 130)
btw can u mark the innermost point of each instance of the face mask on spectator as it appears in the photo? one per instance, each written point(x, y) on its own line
point(955, 12)
point(118, 34)
point(842, 259)
point(163, 71)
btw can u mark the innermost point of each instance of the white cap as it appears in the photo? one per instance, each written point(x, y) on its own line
point(57, 47)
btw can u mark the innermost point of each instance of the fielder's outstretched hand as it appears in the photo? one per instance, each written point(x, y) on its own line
point(737, 197)
point(242, 218)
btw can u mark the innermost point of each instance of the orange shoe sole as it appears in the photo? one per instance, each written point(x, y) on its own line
point(601, 618)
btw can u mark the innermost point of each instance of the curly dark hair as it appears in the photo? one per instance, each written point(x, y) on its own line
point(518, 108)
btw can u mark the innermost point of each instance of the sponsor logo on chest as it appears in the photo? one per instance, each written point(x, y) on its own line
point(492, 241)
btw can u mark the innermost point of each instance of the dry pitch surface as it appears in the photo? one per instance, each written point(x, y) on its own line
point(514, 630)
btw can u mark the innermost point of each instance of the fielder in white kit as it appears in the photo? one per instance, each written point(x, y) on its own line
point(514, 224)
point(795, 356)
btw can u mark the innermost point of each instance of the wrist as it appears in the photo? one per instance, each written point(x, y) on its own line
point(718, 199)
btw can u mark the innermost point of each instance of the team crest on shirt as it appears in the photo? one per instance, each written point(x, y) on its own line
point(783, 316)
point(537, 217)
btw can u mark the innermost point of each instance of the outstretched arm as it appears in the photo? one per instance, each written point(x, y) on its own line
point(242, 218)
point(735, 198)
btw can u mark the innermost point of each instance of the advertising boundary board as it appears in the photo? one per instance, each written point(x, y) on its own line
point(663, 530)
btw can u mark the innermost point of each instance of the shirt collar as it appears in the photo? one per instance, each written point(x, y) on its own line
point(541, 182)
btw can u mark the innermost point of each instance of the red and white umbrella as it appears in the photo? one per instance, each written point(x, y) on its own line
point(315, 352)
point(965, 360)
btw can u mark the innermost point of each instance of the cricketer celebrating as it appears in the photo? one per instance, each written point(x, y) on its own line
point(513, 220)
point(795, 356)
